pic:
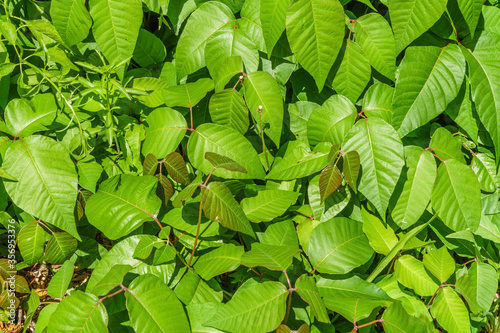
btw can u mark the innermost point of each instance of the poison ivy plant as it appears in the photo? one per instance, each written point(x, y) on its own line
point(250, 166)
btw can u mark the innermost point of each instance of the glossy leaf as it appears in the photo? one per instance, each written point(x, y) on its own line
point(450, 312)
point(329, 181)
point(412, 274)
point(71, 19)
point(273, 20)
point(440, 263)
point(267, 205)
point(307, 289)
point(31, 240)
point(219, 161)
point(228, 108)
point(351, 169)
point(273, 257)
point(176, 168)
point(381, 237)
point(61, 280)
point(224, 259)
point(188, 94)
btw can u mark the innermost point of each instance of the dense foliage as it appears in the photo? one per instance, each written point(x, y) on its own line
point(250, 166)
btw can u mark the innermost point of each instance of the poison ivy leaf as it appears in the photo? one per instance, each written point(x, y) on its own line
point(61, 280)
point(460, 110)
point(116, 27)
point(203, 23)
point(420, 93)
point(199, 314)
point(456, 196)
point(412, 18)
point(281, 233)
point(273, 257)
point(31, 240)
point(375, 37)
point(254, 308)
point(397, 319)
point(329, 181)
point(219, 161)
point(112, 279)
point(231, 42)
point(147, 298)
point(353, 298)
point(185, 218)
point(220, 206)
point(417, 188)
point(164, 190)
point(150, 165)
point(331, 121)
point(187, 192)
point(60, 247)
point(71, 19)
point(273, 18)
point(352, 73)
point(22, 120)
point(47, 180)
point(5, 175)
point(267, 205)
point(228, 108)
point(485, 169)
point(484, 67)
point(315, 30)
point(250, 22)
point(411, 273)
point(471, 10)
point(43, 320)
point(263, 97)
point(338, 246)
point(224, 259)
point(176, 168)
point(191, 289)
point(479, 286)
point(446, 146)
point(227, 70)
point(381, 154)
point(227, 142)
point(351, 169)
point(149, 49)
point(378, 101)
point(122, 204)
point(300, 162)
point(306, 288)
point(79, 312)
point(381, 237)
point(89, 172)
point(440, 263)
point(450, 312)
point(188, 94)
point(165, 129)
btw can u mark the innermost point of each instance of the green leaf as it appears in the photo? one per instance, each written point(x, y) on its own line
point(378, 100)
point(331, 121)
point(185, 218)
point(230, 42)
point(199, 314)
point(220, 206)
point(60, 247)
point(440, 263)
point(381, 154)
point(61, 280)
point(147, 298)
point(351, 169)
point(381, 237)
point(221, 260)
point(254, 308)
point(176, 168)
point(89, 173)
point(273, 257)
point(417, 188)
point(122, 204)
point(300, 162)
point(471, 10)
point(281, 233)
point(71, 19)
point(456, 196)
point(150, 165)
point(79, 313)
point(149, 49)
point(43, 320)
point(116, 27)
point(374, 35)
point(446, 146)
point(484, 67)
point(219, 161)
point(164, 190)
point(315, 30)
point(227, 70)
point(23, 117)
point(329, 181)
point(228, 108)
point(165, 129)
point(187, 192)
point(188, 94)
point(263, 97)
point(191, 289)
point(460, 110)
point(353, 298)
point(485, 169)
point(48, 182)
point(31, 241)
point(411, 273)
point(397, 319)
point(307, 289)
point(5, 175)
point(338, 246)
point(430, 78)
point(450, 312)
point(352, 74)
point(273, 18)
point(479, 286)
point(227, 142)
point(203, 23)
point(268, 204)
point(412, 18)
